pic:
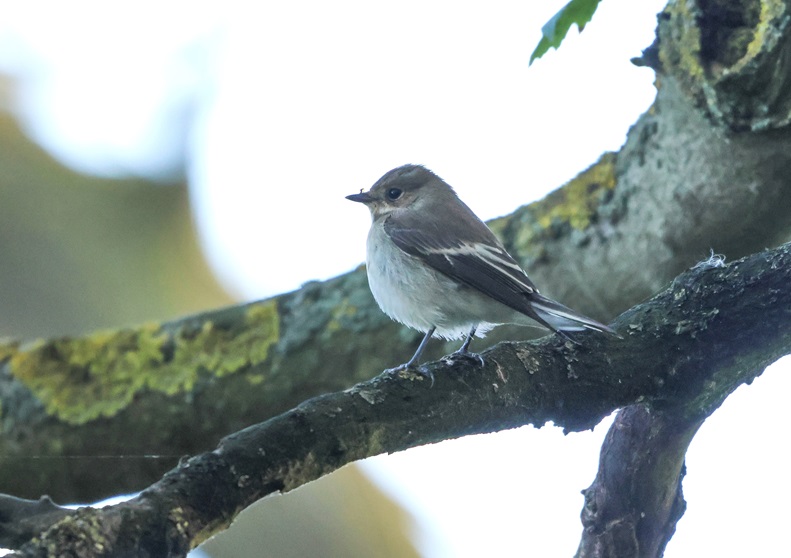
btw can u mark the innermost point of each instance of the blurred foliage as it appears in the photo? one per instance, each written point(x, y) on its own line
point(277, 526)
point(78, 253)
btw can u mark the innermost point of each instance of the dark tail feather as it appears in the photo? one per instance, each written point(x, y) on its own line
point(560, 318)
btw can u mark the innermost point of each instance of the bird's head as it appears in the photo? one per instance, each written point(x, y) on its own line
point(406, 187)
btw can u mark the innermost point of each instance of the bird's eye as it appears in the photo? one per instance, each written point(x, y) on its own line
point(394, 193)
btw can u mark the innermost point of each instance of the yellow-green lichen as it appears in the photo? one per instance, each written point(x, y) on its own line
point(263, 326)
point(81, 379)
point(95, 375)
point(222, 351)
point(680, 45)
point(255, 379)
point(577, 201)
point(82, 528)
point(178, 521)
point(341, 314)
point(771, 12)
point(731, 48)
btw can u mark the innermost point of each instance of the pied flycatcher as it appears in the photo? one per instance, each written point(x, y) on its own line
point(434, 266)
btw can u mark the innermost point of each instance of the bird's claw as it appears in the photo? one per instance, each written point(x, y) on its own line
point(464, 355)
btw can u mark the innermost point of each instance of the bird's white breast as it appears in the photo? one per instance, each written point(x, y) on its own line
point(416, 295)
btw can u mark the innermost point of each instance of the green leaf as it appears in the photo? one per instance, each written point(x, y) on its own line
point(555, 30)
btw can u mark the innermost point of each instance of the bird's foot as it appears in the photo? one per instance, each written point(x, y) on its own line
point(407, 368)
point(462, 355)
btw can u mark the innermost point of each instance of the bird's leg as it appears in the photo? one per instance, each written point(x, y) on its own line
point(466, 345)
point(420, 348)
point(412, 363)
point(463, 353)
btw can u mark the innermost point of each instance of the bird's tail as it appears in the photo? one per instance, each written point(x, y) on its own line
point(561, 318)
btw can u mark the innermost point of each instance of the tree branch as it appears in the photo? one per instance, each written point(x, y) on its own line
point(632, 507)
point(683, 352)
point(724, 63)
point(704, 168)
point(21, 519)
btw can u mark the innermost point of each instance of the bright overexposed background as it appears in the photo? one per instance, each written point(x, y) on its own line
point(283, 108)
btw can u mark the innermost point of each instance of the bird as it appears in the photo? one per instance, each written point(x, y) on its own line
point(434, 266)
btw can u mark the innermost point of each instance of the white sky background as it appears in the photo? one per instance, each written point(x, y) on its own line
point(284, 108)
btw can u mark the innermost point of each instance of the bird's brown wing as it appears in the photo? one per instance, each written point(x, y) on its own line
point(481, 263)
point(473, 256)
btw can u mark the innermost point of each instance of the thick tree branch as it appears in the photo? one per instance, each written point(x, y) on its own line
point(704, 168)
point(632, 507)
point(684, 351)
point(20, 519)
point(724, 63)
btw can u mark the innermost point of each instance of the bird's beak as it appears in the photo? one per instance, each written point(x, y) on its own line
point(362, 197)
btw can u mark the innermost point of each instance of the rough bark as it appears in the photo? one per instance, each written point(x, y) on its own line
point(632, 507)
point(723, 72)
point(681, 185)
point(714, 329)
point(704, 169)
